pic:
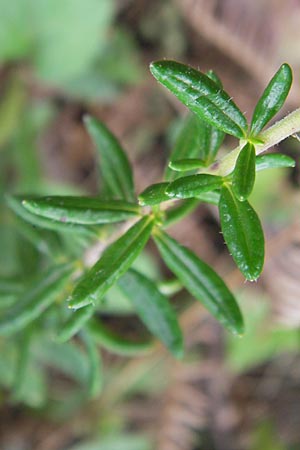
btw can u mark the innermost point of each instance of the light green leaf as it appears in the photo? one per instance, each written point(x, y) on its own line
point(193, 185)
point(81, 210)
point(114, 165)
point(243, 233)
point(154, 310)
point(272, 98)
point(201, 281)
point(39, 296)
point(273, 161)
point(201, 95)
point(184, 165)
point(244, 172)
point(114, 262)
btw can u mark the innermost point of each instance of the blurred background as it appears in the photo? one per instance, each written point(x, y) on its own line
point(61, 59)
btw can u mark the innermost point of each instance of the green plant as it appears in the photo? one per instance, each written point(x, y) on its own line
point(195, 173)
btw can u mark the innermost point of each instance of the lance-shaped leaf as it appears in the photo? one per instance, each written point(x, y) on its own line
point(193, 185)
point(272, 98)
point(117, 344)
point(75, 323)
point(184, 165)
point(80, 210)
point(201, 95)
point(154, 310)
point(154, 194)
point(15, 203)
point(201, 281)
point(244, 172)
point(243, 233)
point(273, 161)
point(37, 298)
point(114, 165)
point(114, 262)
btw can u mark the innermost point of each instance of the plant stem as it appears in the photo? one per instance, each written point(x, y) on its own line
point(282, 129)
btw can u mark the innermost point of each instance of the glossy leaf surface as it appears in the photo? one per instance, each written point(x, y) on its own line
point(15, 203)
point(81, 210)
point(193, 185)
point(201, 95)
point(272, 98)
point(116, 344)
point(201, 281)
point(154, 194)
point(114, 165)
point(273, 161)
point(39, 296)
point(114, 262)
point(243, 233)
point(184, 165)
point(154, 310)
point(244, 172)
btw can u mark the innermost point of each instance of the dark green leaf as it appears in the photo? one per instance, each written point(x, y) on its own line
point(273, 161)
point(95, 377)
point(75, 322)
point(202, 282)
point(117, 344)
point(272, 98)
point(243, 233)
point(38, 297)
point(80, 210)
point(154, 194)
point(114, 165)
point(184, 165)
point(201, 95)
point(193, 185)
point(244, 172)
point(15, 203)
point(114, 262)
point(154, 310)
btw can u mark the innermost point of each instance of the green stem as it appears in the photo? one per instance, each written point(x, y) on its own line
point(282, 129)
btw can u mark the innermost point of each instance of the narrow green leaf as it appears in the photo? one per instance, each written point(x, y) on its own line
point(212, 197)
point(114, 165)
point(114, 262)
point(80, 210)
point(201, 281)
point(22, 365)
point(117, 344)
point(201, 95)
point(273, 161)
point(154, 194)
point(193, 185)
point(243, 233)
point(184, 165)
point(154, 310)
point(15, 203)
point(244, 172)
point(38, 297)
point(95, 376)
point(75, 323)
point(272, 98)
